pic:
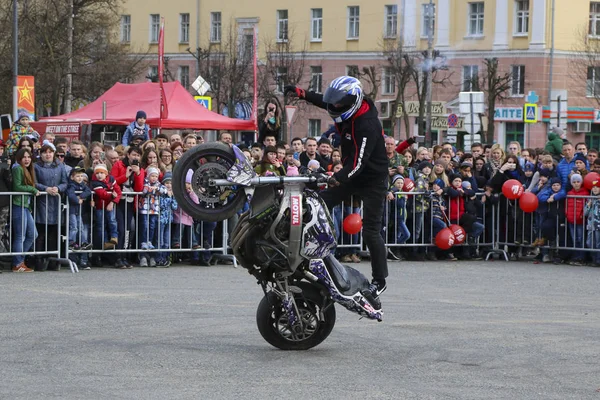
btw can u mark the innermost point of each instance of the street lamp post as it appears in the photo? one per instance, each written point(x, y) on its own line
point(429, 69)
point(15, 57)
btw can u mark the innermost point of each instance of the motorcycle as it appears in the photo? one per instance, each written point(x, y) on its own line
point(285, 239)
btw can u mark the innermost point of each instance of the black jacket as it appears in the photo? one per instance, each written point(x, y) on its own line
point(363, 145)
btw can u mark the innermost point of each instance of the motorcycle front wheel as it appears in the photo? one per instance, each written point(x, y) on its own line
point(191, 176)
point(274, 327)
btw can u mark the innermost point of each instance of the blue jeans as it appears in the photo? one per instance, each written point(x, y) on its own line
point(148, 225)
point(164, 240)
point(576, 232)
point(77, 230)
point(105, 225)
point(403, 232)
point(438, 225)
point(181, 232)
point(593, 242)
point(476, 230)
point(24, 232)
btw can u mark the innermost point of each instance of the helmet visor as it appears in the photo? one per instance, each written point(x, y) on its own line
point(338, 97)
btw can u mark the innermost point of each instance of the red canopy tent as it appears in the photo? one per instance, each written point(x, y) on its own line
point(124, 100)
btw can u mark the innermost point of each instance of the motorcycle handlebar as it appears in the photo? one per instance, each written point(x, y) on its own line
point(274, 180)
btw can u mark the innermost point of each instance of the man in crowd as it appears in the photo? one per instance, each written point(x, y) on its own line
point(269, 139)
point(311, 153)
point(397, 162)
point(581, 147)
point(76, 153)
point(476, 150)
point(162, 141)
point(566, 166)
point(297, 146)
point(325, 150)
point(226, 137)
point(189, 141)
point(592, 155)
point(175, 138)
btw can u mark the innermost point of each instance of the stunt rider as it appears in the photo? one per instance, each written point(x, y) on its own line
point(365, 171)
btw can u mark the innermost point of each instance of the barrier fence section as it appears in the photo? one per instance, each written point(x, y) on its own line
point(30, 229)
point(562, 231)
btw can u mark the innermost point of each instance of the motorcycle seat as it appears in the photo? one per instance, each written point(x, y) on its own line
point(347, 279)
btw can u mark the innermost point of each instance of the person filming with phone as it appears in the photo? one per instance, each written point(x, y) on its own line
point(269, 124)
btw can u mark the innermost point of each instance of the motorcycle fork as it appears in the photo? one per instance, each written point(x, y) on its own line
point(283, 290)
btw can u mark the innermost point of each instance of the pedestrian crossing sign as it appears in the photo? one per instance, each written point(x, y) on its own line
point(530, 113)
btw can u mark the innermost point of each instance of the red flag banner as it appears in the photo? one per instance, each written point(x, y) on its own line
point(255, 97)
point(161, 61)
point(26, 91)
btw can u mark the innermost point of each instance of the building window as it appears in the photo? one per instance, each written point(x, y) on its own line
point(353, 22)
point(316, 24)
point(282, 25)
point(475, 19)
point(518, 80)
point(314, 127)
point(470, 78)
point(521, 17)
point(281, 78)
point(247, 44)
point(388, 81)
point(184, 28)
point(515, 132)
point(184, 76)
point(352, 70)
point(428, 16)
point(316, 79)
point(593, 82)
point(391, 21)
point(154, 27)
point(592, 139)
point(153, 73)
point(125, 28)
point(594, 18)
point(215, 27)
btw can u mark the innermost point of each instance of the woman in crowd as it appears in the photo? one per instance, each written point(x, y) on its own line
point(150, 159)
point(51, 177)
point(177, 149)
point(269, 164)
point(23, 176)
point(422, 155)
point(546, 162)
point(496, 160)
point(95, 156)
point(269, 121)
point(439, 172)
point(165, 161)
point(147, 145)
point(410, 162)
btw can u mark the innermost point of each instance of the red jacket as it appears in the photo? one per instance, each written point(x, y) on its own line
point(103, 191)
point(574, 207)
point(119, 172)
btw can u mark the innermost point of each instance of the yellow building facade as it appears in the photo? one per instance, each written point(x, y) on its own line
point(338, 36)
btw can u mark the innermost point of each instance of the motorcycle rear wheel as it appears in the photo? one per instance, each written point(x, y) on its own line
point(207, 161)
point(273, 326)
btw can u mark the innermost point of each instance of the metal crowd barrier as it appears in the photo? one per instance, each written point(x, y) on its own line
point(47, 242)
point(199, 236)
point(506, 229)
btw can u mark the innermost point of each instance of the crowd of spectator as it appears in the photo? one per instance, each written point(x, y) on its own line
point(121, 197)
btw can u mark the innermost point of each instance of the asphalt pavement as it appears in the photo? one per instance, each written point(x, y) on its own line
point(451, 330)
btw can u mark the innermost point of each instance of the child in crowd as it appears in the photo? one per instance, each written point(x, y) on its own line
point(574, 211)
point(107, 193)
point(438, 207)
point(528, 171)
point(182, 222)
point(290, 164)
point(167, 205)
point(149, 209)
point(397, 215)
point(543, 191)
point(552, 212)
point(421, 203)
point(77, 193)
point(592, 213)
point(463, 211)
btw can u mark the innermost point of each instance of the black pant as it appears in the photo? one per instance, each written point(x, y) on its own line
point(373, 196)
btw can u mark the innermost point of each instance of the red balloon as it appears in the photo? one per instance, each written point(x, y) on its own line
point(445, 239)
point(528, 202)
point(352, 224)
point(512, 189)
point(409, 185)
point(459, 233)
point(591, 179)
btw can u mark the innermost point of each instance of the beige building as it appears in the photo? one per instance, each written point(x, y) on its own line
point(340, 37)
